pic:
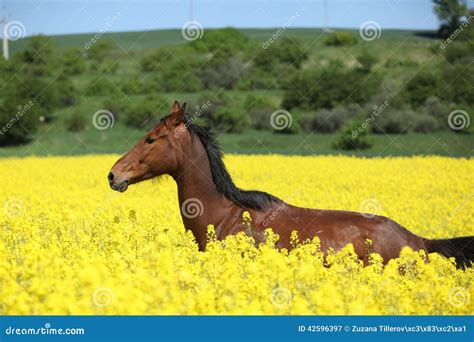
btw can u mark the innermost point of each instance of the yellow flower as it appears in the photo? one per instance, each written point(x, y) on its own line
point(70, 245)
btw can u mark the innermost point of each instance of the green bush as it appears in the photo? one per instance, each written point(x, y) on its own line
point(100, 50)
point(65, 91)
point(158, 59)
point(73, 62)
point(260, 118)
point(422, 86)
point(253, 101)
point(216, 100)
point(17, 123)
point(425, 123)
point(367, 60)
point(328, 121)
point(341, 38)
point(150, 85)
point(288, 50)
point(229, 39)
point(260, 110)
point(40, 51)
point(435, 108)
point(230, 120)
point(256, 78)
point(389, 95)
point(353, 138)
point(178, 76)
point(460, 81)
point(328, 87)
point(117, 106)
point(459, 52)
point(222, 114)
point(223, 75)
point(102, 86)
point(107, 66)
point(400, 61)
point(146, 112)
point(394, 121)
point(76, 122)
point(133, 86)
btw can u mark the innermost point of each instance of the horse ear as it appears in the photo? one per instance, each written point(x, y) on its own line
point(180, 114)
point(176, 107)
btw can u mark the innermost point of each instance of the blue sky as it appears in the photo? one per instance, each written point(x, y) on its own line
point(80, 16)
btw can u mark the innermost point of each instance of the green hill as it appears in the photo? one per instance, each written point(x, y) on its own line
point(157, 38)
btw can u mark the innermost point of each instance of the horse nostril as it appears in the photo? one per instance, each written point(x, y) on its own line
point(110, 177)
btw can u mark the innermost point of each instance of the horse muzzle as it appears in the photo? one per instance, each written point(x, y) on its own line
point(115, 185)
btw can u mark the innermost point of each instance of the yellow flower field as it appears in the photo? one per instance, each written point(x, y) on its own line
point(70, 245)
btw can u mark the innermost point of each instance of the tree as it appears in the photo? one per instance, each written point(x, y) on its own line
point(450, 13)
point(19, 112)
point(288, 50)
point(40, 50)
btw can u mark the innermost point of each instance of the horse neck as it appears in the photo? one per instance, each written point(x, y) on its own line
point(197, 191)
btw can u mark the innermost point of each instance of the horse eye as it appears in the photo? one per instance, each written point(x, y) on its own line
point(149, 140)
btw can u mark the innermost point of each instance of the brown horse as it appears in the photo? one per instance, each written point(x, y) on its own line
point(207, 195)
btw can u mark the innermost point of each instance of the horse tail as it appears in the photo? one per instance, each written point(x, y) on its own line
point(461, 249)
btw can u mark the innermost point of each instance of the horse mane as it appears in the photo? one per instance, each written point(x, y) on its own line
point(221, 177)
